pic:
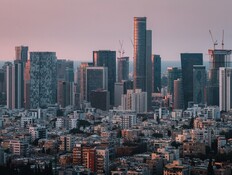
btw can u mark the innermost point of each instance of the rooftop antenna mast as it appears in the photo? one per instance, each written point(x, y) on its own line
point(214, 42)
point(121, 51)
point(222, 39)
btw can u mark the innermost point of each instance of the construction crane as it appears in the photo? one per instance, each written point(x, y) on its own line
point(214, 42)
point(222, 39)
point(121, 51)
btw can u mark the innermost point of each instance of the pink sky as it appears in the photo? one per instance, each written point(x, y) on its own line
point(74, 28)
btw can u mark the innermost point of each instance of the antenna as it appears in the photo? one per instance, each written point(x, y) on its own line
point(222, 39)
point(121, 51)
point(214, 42)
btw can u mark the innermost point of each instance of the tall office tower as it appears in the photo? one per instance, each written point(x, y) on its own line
point(107, 59)
point(156, 73)
point(178, 94)
point(65, 93)
point(173, 74)
point(2, 87)
point(142, 58)
point(148, 67)
point(96, 78)
point(187, 62)
point(199, 84)
point(65, 82)
point(19, 84)
point(218, 58)
point(42, 79)
point(27, 85)
point(118, 92)
point(65, 70)
point(135, 100)
point(21, 53)
point(10, 86)
point(82, 80)
point(100, 99)
point(225, 88)
point(4, 92)
point(140, 63)
point(123, 68)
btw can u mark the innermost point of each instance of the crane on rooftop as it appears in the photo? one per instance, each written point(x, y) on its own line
point(214, 42)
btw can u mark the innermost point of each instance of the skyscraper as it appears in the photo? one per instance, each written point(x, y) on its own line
point(27, 85)
point(225, 88)
point(42, 79)
point(187, 62)
point(107, 59)
point(199, 84)
point(82, 80)
point(10, 86)
point(140, 29)
point(148, 68)
point(2, 87)
point(96, 78)
point(123, 68)
point(178, 94)
point(65, 82)
point(156, 73)
point(142, 58)
point(173, 74)
point(21, 53)
point(218, 58)
point(19, 83)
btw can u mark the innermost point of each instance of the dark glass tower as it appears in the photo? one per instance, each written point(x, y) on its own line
point(140, 53)
point(187, 62)
point(107, 59)
point(123, 68)
point(199, 84)
point(156, 73)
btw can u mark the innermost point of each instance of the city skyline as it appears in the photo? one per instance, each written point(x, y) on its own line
point(74, 29)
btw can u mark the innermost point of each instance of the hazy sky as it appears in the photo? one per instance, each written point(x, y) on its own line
point(74, 28)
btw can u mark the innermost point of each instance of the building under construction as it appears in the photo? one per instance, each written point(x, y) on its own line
point(218, 58)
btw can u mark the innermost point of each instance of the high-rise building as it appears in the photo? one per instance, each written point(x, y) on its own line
point(148, 68)
point(225, 88)
point(2, 87)
point(42, 79)
point(27, 85)
point(81, 80)
point(140, 30)
point(156, 73)
point(173, 74)
point(10, 86)
point(21, 53)
point(178, 95)
point(199, 84)
point(65, 70)
point(118, 92)
point(96, 78)
point(187, 62)
point(123, 68)
point(65, 93)
point(135, 101)
point(218, 58)
point(65, 82)
point(19, 84)
point(100, 99)
point(142, 58)
point(107, 58)
point(3, 73)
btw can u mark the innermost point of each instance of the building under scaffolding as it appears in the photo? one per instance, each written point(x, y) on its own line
point(218, 58)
